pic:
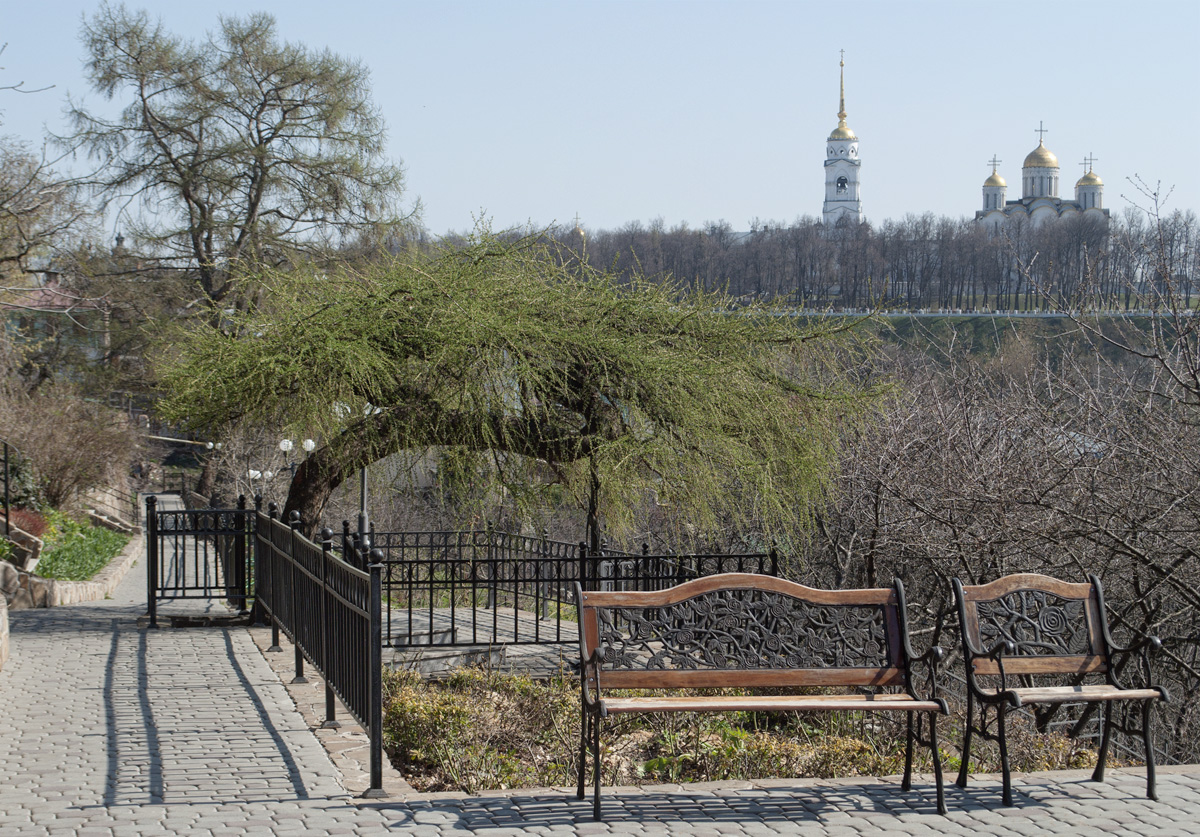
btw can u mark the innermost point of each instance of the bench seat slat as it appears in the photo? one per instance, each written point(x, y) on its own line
point(1048, 664)
point(1082, 694)
point(748, 678)
point(767, 703)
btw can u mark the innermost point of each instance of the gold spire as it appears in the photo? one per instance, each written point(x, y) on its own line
point(842, 90)
point(841, 131)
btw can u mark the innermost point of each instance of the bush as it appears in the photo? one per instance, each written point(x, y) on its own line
point(76, 552)
point(29, 521)
point(72, 444)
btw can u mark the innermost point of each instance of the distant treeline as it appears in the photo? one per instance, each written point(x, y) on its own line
point(917, 263)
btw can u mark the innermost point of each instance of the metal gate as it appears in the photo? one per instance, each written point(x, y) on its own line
point(198, 554)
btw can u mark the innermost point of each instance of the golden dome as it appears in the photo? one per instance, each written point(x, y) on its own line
point(841, 132)
point(1041, 157)
point(1090, 179)
point(994, 180)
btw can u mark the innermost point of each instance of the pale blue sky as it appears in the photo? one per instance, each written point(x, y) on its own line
point(706, 110)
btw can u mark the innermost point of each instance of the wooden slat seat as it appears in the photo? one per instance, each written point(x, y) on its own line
point(1081, 694)
point(1024, 626)
point(742, 631)
point(767, 703)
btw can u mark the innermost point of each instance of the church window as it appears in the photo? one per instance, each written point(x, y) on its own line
point(842, 183)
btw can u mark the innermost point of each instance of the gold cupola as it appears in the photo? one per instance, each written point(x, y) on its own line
point(1090, 179)
point(1041, 158)
point(995, 180)
point(841, 132)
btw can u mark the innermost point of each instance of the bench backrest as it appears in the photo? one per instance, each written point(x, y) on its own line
point(1056, 626)
point(739, 629)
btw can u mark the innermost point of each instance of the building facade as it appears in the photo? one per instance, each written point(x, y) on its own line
point(843, 203)
point(1040, 201)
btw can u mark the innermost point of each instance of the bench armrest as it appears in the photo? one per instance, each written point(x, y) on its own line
point(589, 671)
point(1144, 647)
point(997, 653)
point(931, 660)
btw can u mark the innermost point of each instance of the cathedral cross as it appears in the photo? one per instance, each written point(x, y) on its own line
point(1041, 132)
point(995, 161)
point(1088, 160)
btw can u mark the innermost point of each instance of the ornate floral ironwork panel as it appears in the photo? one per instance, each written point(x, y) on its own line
point(1037, 622)
point(743, 629)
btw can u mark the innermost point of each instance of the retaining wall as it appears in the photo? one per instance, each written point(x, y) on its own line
point(25, 590)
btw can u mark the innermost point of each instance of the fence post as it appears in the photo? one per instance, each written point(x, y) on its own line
point(7, 501)
point(240, 556)
point(543, 584)
point(774, 553)
point(331, 721)
point(375, 669)
point(583, 565)
point(152, 560)
point(294, 524)
point(348, 555)
point(492, 568)
point(273, 515)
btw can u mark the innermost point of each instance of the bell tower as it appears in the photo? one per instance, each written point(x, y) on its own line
point(842, 165)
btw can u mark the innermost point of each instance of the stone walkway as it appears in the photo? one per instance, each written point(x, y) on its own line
point(106, 728)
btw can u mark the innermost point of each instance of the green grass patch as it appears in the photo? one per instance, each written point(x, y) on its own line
point(75, 551)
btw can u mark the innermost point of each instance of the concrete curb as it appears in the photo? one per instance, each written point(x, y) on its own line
point(3, 631)
point(32, 590)
point(102, 585)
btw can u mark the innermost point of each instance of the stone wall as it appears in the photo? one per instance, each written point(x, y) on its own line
point(25, 590)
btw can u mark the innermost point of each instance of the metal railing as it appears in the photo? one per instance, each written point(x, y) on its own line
point(330, 610)
point(9, 452)
point(198, 554)
point(617, 570)
point(489, 587)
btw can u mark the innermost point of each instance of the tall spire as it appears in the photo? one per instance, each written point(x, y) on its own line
point(842, 96)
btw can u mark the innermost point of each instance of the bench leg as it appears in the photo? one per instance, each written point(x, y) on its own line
point(1105, 738)
point(596, 766)
point(906, 785)
point(1007, 774)
point(583, 748)
point(1151, 791)
point(965, 767)
point(937, 763)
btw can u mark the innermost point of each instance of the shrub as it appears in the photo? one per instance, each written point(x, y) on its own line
point(76, 552)
point(28, 521)
point(72, 444)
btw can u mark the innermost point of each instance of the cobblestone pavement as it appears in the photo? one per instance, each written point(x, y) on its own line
point(106, 728)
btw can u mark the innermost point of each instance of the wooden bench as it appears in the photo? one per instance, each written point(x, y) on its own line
point(1022, 630)
point(739, 630)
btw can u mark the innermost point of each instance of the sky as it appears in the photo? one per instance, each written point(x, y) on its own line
point(697, 111)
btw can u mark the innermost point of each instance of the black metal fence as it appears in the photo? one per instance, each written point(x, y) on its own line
point(10, 453)
point(198, 554)
point(616, 570)
point(330, 609)
point(489, 587)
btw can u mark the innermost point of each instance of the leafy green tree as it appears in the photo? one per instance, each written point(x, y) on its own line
point(243, 151)
point(533, 369)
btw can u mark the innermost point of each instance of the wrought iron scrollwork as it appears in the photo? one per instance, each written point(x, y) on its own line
point(743, 629)
point(1036, 622)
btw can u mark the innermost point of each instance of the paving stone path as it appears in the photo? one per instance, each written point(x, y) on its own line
point(110, 729)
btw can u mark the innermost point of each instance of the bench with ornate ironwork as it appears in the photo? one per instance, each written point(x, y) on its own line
point(743, 631)
point(1019, 632)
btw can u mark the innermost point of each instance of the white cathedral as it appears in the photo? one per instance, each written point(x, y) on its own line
point(1039, 192)
point(842, 200)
